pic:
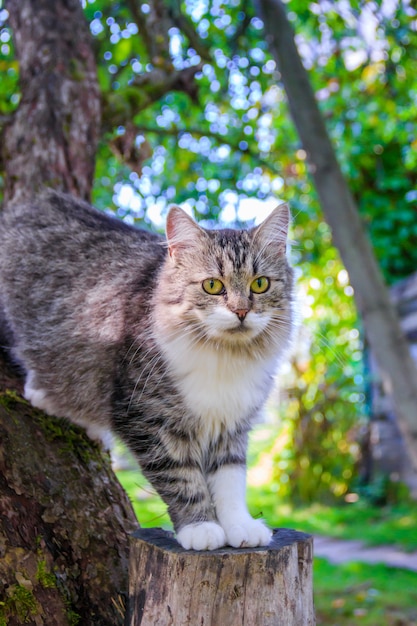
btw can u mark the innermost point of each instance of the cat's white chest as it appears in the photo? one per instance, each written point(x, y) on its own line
point(219, 387)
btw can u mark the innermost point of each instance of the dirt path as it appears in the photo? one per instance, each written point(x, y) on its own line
point(341, 551)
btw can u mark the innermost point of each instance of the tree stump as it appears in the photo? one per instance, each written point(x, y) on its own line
point(170, 586)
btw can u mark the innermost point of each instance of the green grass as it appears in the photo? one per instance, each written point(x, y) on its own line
point(356, 594)
point(394, 525)
point(148, 506)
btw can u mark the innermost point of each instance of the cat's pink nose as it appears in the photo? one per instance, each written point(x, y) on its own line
point(241, 313)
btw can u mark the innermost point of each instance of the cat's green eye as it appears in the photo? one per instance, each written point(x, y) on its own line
point(213, 286)
point(260, 285)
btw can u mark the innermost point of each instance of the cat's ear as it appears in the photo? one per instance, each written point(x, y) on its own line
point(274, 229)
point(182, 232)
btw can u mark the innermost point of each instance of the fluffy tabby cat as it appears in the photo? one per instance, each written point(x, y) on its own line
point(170, 344)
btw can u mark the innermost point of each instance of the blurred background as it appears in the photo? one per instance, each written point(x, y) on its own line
point(194, 113)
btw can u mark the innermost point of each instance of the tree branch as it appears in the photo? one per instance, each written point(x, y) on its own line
point(187, 28)
point(140, 21)
point(241, 29)
point(199, 132)
point(121, 106)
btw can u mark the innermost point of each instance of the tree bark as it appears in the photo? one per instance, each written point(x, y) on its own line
point(247, 587)
point(53, 136)
point(64, 519)
point(380, 319)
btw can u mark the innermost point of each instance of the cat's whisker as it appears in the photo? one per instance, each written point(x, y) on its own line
point(150, 366)
point(144, 356)
point(138, 344)
point(342, 362)
point(195, 333)
point(136, 348)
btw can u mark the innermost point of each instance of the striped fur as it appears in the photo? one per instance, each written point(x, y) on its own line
point(115, 331)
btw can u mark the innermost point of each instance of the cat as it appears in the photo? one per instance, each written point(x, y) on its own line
point(171, 343)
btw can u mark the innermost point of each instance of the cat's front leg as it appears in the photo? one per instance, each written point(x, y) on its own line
point(228, 490)
point(193, 515)
point(184, 489)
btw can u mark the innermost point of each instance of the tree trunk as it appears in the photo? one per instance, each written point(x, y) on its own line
point(64, 519)
point(270, 586)
point(380, 319)
point(52, 139)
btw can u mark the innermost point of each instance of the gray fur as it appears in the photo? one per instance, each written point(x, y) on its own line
point(89, 305)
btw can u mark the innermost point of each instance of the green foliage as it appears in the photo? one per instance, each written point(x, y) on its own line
point(317, 452)
point(366, 87)
point(9, 69)
point(237, 141)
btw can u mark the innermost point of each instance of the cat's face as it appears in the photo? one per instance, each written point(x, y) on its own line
point(229, 286)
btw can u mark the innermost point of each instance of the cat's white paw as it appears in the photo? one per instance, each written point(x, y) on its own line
point(248, 534)
point(100, 434)
point(202, 536)
point(38, 398)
